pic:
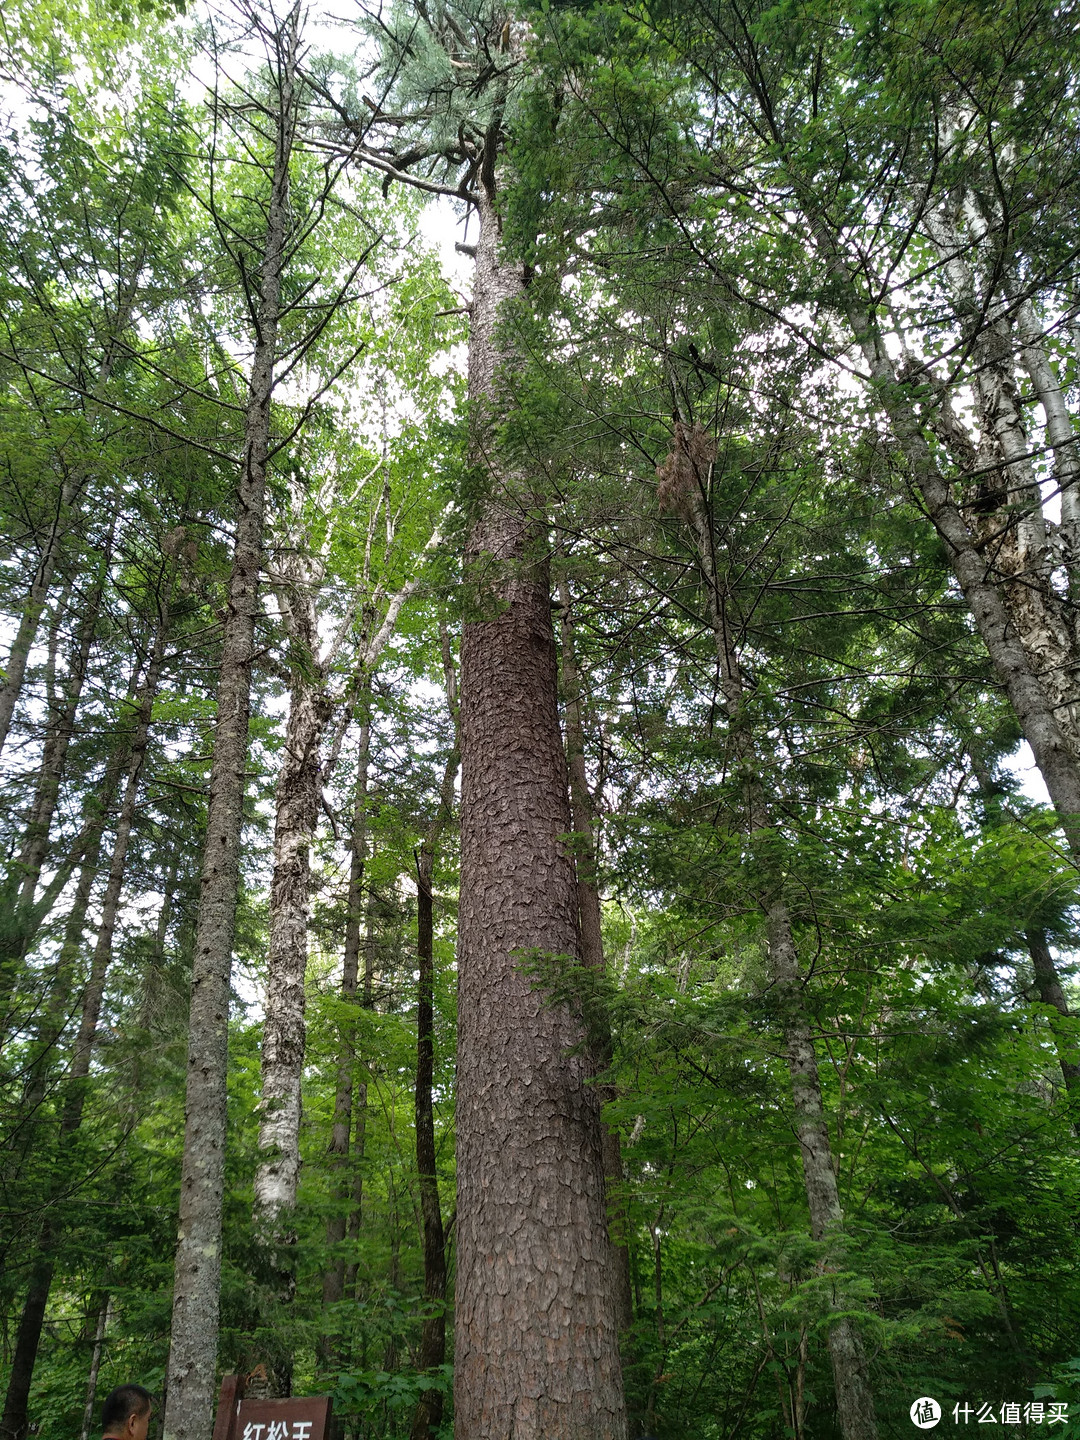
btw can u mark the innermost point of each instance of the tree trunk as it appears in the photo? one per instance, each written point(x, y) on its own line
point(690, 468)
point(298, 806)
point(1050, 993)
point(854, 1399)
point(1061, 435)
point(58, 739)
point(334, 1278)
point(94, 990)
point(536, 1350)
point(582, 812)
point(95, 1366)
point(196, 1292)
point(13, 1423)
point(29, 1337)
point(1031, 705)
point(433, 1336)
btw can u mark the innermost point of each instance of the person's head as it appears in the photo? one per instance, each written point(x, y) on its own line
point(126, 1413)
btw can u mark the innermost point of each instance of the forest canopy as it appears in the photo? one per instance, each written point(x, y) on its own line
point(540, 716)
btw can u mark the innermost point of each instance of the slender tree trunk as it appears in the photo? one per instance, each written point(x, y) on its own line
point(94, 990)
point(689, 470)
point(433, 1335)
point(95, 1367)
point(196, 1291)
point(1033, 708)
point(54, 755)
point(1050, 993)
point(582, 813)
point(854, 1399)
point(29, 1336)
point(536, 1350)
point(334, 1277)
point(359, 1148)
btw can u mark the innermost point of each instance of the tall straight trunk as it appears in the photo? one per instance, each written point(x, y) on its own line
point(94, 990)
point(28, 1340)
point(688, 472)
point(56, 1011)
point(95, 1367)
point(359, 1145)
point(536, 1334)
point(334, 1276)
point(298, 799)
point(428, 1414)
point(197, 1282)
point(583, 815)
point(429, 1410)
point(1048, 985)
point(854, 1399)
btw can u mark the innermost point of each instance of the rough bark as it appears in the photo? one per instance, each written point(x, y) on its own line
point(583, 815)
point(298, 798)
point(1050, 993)
point(196, 1290)
point(536, 1336)
point(1033, 708)
point(1005, 510)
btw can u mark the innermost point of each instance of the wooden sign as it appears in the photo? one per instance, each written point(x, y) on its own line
point(293, 1419)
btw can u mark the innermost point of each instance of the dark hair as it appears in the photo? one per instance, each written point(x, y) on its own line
point(122, 1403)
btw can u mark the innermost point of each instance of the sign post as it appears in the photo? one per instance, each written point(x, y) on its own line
point(306, 1418)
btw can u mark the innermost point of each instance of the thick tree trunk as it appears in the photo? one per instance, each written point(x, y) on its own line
point(582, 813)
point(1009, 527)
point(536, 1351)
point(13, 1423)
point(1061, 435)
point(196, 1291)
